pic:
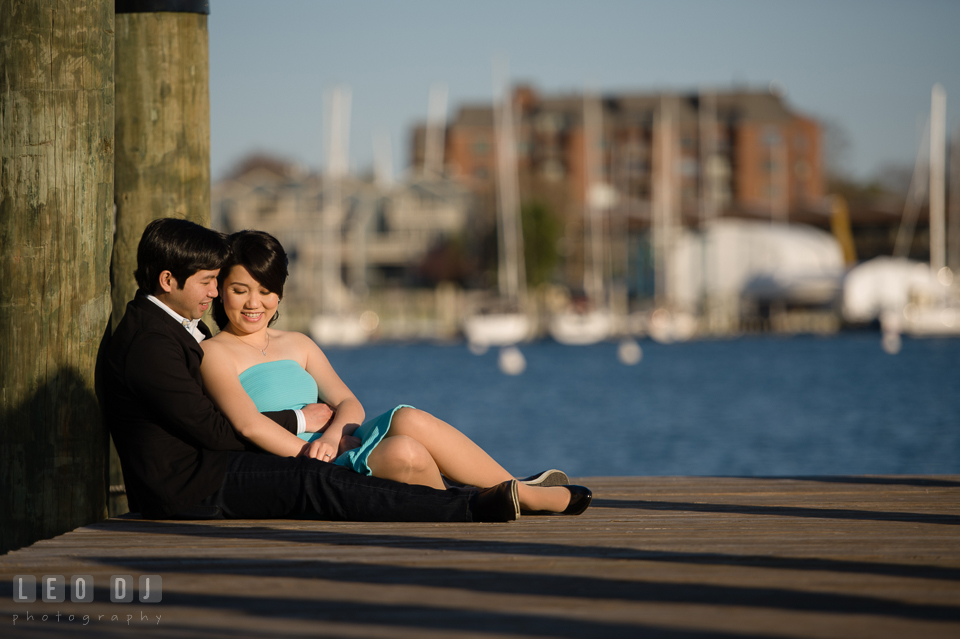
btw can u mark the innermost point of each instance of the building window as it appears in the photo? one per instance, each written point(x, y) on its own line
point(548, 123)
point(552, 170)
point(771, 136)
point(481, 147)
point(383, 226)
point(481, 173)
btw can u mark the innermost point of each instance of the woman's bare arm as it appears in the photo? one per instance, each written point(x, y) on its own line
point(222, 382)
point(348, 412)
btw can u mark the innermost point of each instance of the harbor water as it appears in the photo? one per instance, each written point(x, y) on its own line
point(752, 406)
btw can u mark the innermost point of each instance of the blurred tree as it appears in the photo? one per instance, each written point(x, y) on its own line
point(448, 261)
point(541, 232)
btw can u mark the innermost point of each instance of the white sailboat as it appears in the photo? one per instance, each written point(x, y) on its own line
point(918, 299)
point(937, 314)
point(504, 323)
point(592, 322)
point(335, 325)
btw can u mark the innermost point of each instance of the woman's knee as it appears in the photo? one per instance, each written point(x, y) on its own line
point(402, 453)
point(409, 421)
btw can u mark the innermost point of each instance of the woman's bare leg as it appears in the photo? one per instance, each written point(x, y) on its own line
point(460, 459)
point(405, 460)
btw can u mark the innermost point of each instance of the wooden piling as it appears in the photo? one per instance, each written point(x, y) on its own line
point(163, 125)
point(56, 199)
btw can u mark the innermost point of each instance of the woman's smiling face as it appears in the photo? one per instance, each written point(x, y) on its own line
point(248, 305)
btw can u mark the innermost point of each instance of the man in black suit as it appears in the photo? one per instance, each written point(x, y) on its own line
point(181, 458)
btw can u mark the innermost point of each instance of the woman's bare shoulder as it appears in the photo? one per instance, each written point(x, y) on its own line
point(292, 338)
point(293, 344)
point(215, 347)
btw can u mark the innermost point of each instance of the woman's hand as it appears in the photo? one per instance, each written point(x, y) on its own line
point(323, 448)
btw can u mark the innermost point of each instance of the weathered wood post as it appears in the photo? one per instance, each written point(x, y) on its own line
point(162, 133)
point(163, 125)
point(56, 200)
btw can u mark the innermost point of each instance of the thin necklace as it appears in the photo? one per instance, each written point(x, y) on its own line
point(263, 350)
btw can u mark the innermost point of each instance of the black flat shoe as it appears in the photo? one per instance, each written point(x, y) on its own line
point(547, 478)
point(497, 503)
point(580, 498)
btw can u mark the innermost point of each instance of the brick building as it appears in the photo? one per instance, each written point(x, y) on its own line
point(747, 153)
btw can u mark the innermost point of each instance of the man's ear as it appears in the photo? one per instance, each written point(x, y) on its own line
point(167, 282)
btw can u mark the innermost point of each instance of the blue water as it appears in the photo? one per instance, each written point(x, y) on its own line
point(747, 406)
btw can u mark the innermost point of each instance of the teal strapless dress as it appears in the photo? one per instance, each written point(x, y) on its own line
point(284, 385)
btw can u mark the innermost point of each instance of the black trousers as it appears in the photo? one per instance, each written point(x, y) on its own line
point(263, 486)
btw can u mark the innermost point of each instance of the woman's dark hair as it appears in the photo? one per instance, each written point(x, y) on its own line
point(263, 257)
point(178, 246)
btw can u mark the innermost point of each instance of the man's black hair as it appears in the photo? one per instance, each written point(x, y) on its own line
point(178, 246)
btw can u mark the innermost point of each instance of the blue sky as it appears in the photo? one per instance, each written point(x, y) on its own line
point(866, 66)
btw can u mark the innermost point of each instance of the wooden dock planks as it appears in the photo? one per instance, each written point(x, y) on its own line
point(654, 556)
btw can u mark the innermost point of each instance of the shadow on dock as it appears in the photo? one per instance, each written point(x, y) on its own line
point(510, 583)
point(782, 511)
point(654, 557)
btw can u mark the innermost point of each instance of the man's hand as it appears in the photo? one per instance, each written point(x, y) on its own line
point(348, 442)
point(317, 416)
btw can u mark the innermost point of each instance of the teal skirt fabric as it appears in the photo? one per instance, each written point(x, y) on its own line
point(370, 434)
point(284, 385)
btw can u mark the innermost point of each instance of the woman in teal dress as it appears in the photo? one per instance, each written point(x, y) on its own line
point(249, 368)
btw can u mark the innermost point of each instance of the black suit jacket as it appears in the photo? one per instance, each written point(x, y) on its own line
point(172, 441)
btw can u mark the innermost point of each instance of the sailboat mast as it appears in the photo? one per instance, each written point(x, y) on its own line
point(938, 110)
point(511, 274)
point(780, 191)
point(915, 196)
point(436, 125)
point(382, 161)
point(953, 226)
point(708, 145)
point(666, 200)
point(593, 194)
point(339, 126)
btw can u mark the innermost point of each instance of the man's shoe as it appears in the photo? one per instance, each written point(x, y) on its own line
point(552, 477)
point(497, 503)
point(580, 498)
